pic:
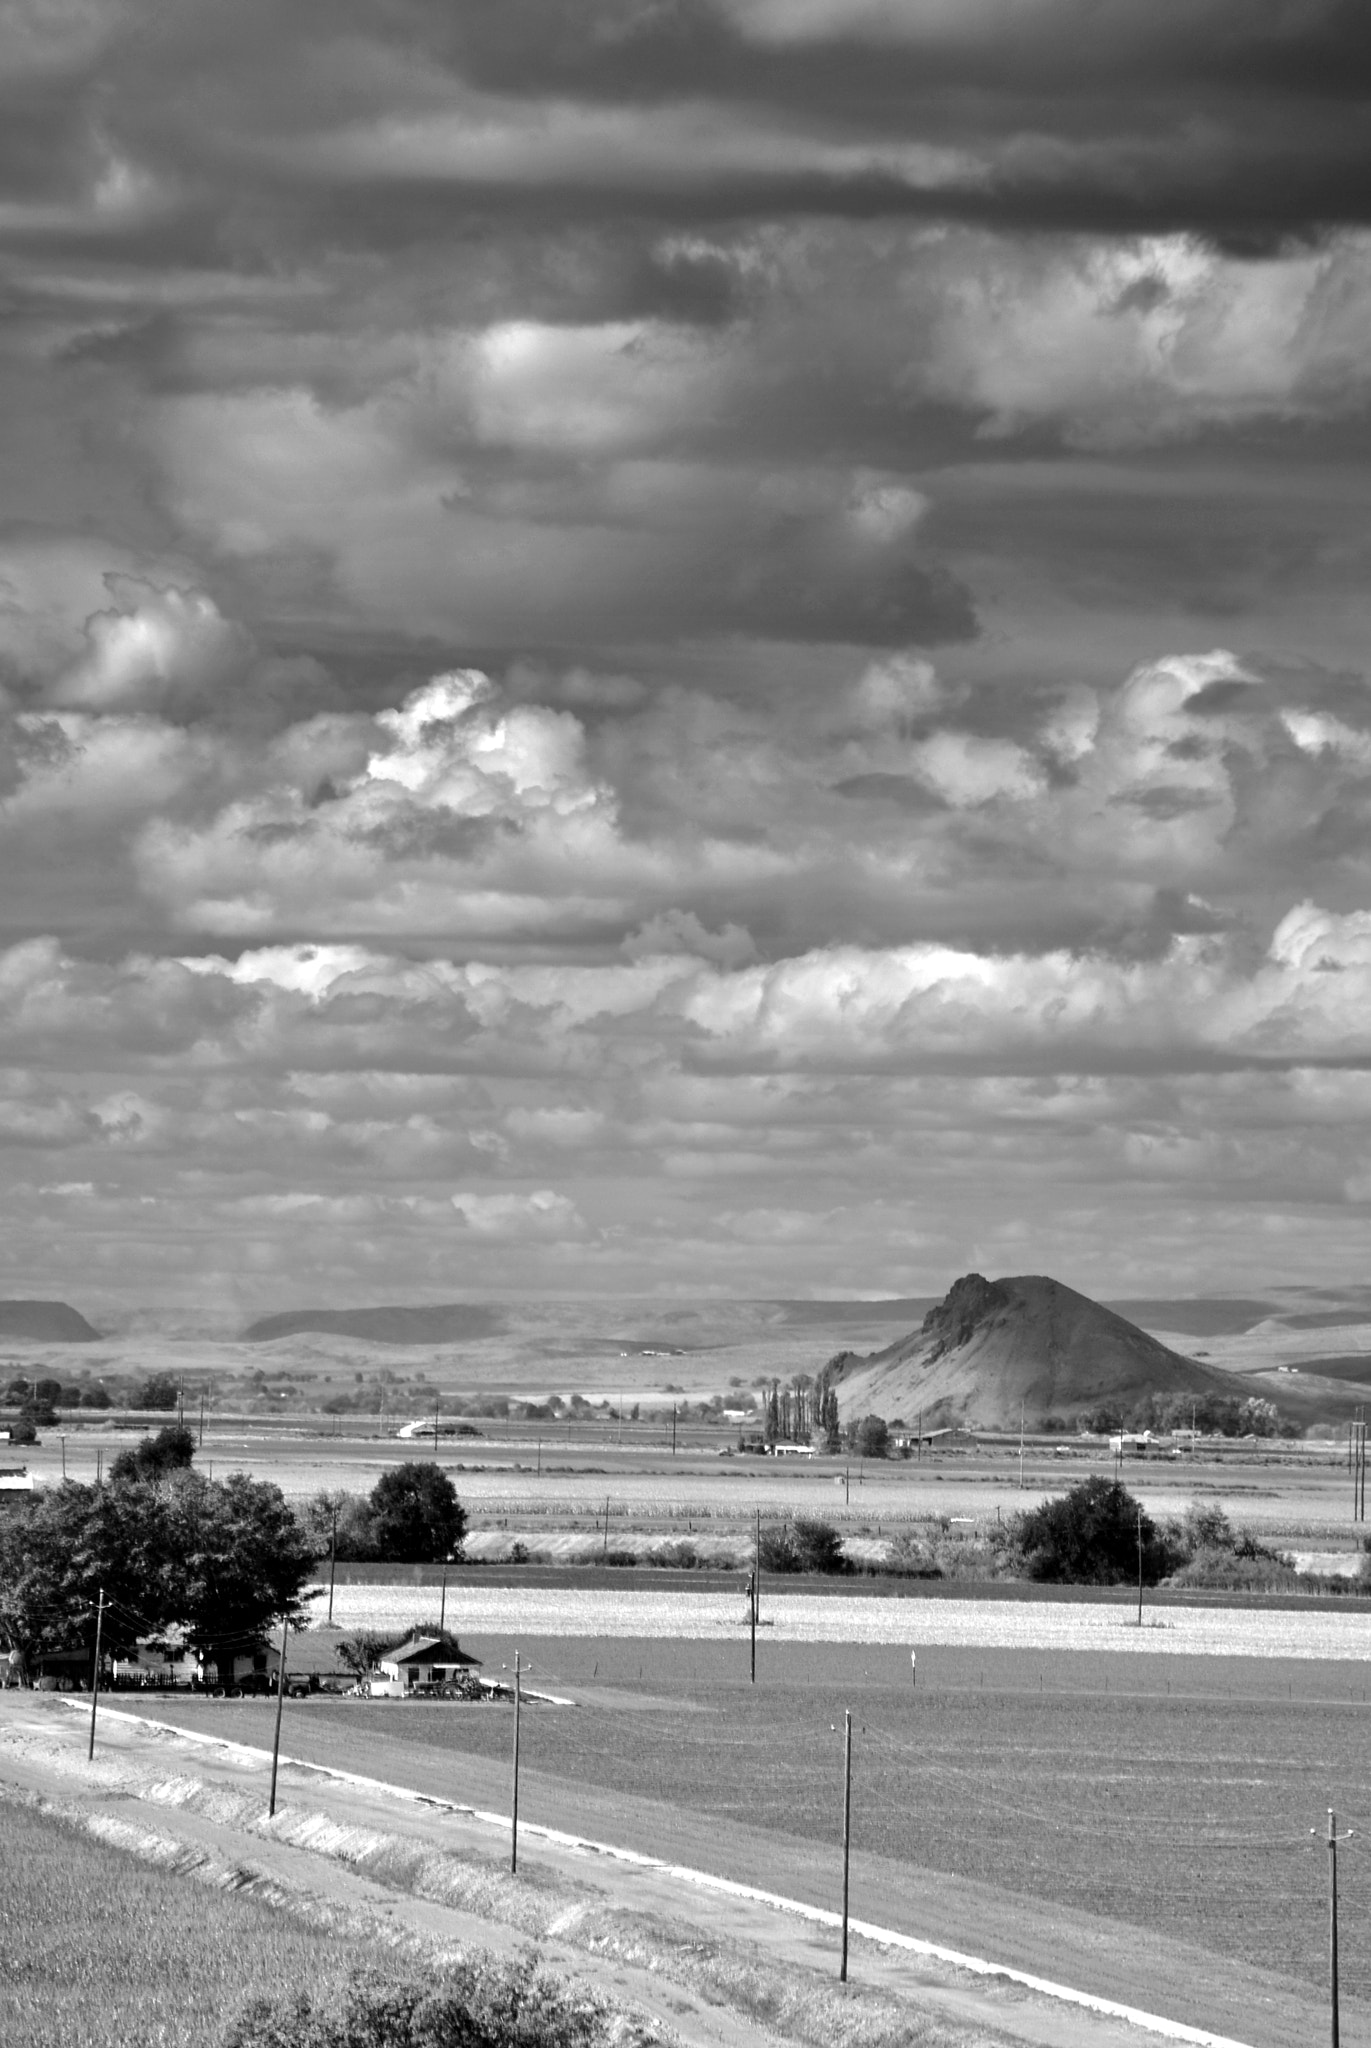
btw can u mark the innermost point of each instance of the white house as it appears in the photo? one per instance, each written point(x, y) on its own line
point(419, 1662)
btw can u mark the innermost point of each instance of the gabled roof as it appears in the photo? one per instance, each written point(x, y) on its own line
point(417, 1649)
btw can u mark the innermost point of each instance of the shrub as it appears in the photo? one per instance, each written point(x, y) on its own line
point(171, 1450)
point(474, 2004)
point(804, 1545)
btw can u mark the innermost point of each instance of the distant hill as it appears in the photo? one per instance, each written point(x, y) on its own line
point(45, 1322)
point(451, 1322)
point(994, 1348)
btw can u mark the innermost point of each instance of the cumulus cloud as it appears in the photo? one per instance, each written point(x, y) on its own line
point(682, 643)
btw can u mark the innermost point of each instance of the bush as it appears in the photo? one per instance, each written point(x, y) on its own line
point(804, 1545)
point(171, 1450)
point(473, 2004)
point(1089, 1536)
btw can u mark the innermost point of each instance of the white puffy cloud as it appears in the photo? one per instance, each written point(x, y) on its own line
point(153, 648)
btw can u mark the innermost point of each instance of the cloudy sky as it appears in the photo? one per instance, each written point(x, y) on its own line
point(683, 645)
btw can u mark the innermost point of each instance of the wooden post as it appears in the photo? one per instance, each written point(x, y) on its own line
point(332, 1562)
point(95, 1676)
point(1333, 1926)
point(514, 1778)
point(847, 1832)
point(276, 1739)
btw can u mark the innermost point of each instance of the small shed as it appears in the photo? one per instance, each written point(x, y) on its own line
point(424, 1660)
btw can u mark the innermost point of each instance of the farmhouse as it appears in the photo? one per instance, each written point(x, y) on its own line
point(422, 1661)
point(783, 1450)
point(156, 1663)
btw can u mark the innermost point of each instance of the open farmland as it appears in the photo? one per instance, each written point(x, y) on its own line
point(909, 1621)
point(520, 1485)
point(1079, 1782)
point(100, 1949)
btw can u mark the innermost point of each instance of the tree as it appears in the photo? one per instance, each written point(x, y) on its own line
point(361, 1651)
point(171, 1450)
point(159, 1390)
point(349, 1514)
point(223, 1561)
point(416, 1515)
point(872, 1438)
point(1088, 1536)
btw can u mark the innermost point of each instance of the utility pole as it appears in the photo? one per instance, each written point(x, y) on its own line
point(95, 1676)
point(276, 1738)
point(99, 1468)
point(1139, 1564)
point(757, 1571)
point(1021, 1405)
point(442, 1604)
point(752, 1619)
point(847, 1485)
point(673, 1429)
point(604, 1552)
point(514, 1779)
point(847, 1831)
point(64, 1454)
point(201, 1444)
point(435, 1429)
point(1333, 1927)
point(540, 1457)
point(332, 1561)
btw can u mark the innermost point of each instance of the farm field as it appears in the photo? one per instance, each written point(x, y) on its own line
point(909, 1620)
point(99, 1949)
point(1079, 1781)
point(518, 1484)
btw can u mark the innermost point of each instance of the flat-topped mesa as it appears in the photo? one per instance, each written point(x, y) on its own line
point(44, 1322)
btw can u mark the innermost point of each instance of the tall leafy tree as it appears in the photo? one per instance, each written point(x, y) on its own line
point(224, 1561)
point(416, 1515)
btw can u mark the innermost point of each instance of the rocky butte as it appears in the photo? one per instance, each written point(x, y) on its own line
point(992, 1350)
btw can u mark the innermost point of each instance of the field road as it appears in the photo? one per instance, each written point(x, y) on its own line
point(644, 1924)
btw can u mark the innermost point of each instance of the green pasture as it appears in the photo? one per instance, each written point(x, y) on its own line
point(98, 1950)
point(1183, 1795)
